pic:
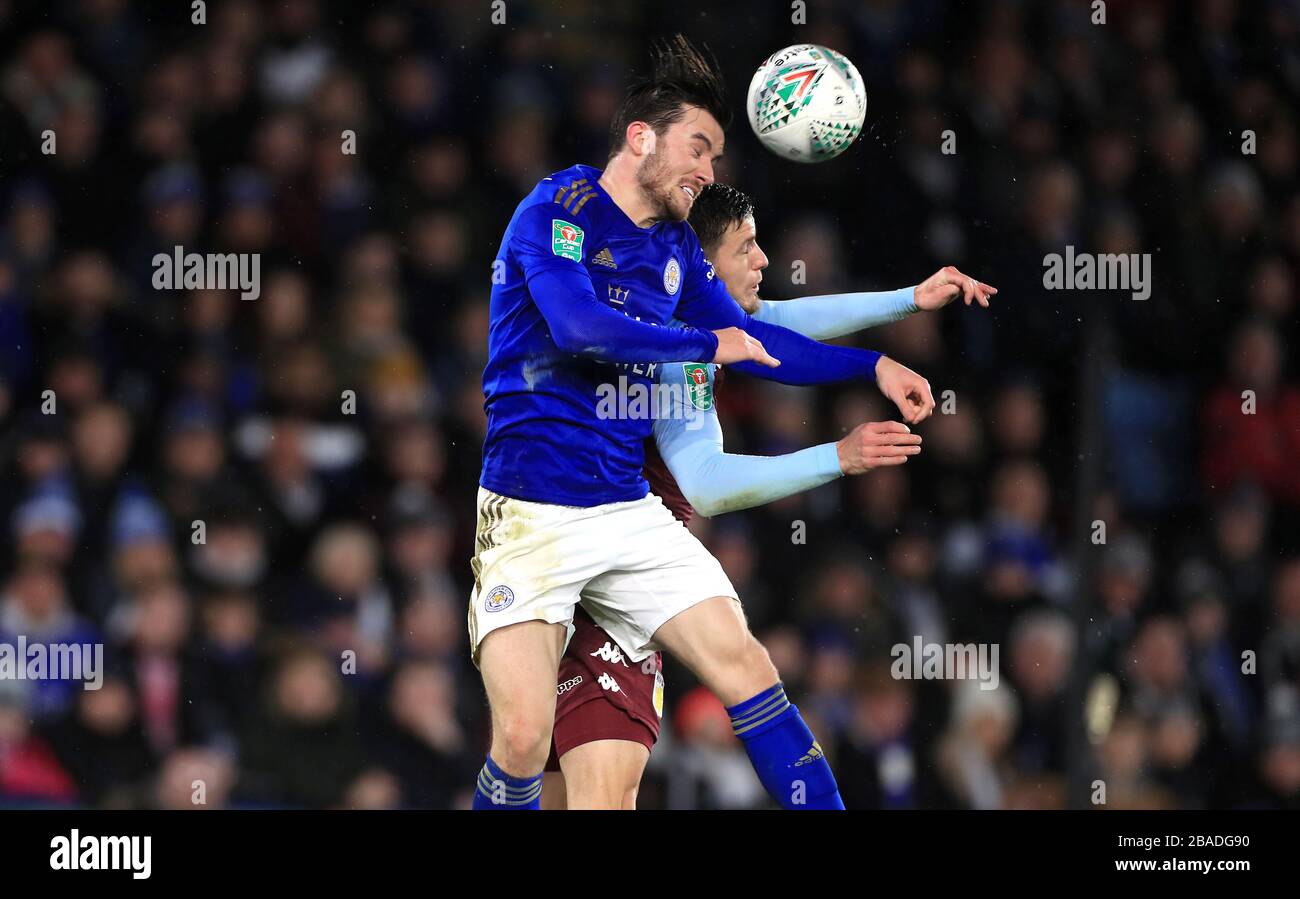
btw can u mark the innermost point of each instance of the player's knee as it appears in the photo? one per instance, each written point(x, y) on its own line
point(606, 790)
point(745, 653)
point(520, 744)
point(746, 669)
point(758, 662)
point(597, 796)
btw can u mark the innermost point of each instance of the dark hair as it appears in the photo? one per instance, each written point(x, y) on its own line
point(682, 76)
point(716, 209)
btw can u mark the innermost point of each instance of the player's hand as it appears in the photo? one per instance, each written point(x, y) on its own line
point(946, 285)
point(909, 391)
point(736, 345)
point(877, 444)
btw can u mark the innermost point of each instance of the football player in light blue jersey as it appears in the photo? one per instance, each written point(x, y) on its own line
point(689, 436)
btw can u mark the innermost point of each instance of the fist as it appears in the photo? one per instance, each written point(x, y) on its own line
point(906, 389)
point(876, 444)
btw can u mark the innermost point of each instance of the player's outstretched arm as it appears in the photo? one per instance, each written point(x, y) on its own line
point(714, 481)
point(705, 303)
point(803, 361)
point(834, 315)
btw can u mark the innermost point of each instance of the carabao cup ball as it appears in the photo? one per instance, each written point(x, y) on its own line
point(807, 103)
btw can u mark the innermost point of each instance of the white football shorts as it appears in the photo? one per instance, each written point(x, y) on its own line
point(631, 565)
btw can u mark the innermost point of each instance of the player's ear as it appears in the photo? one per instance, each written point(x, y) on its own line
point(641, 138)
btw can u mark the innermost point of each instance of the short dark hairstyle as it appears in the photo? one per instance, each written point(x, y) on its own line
point(682, 76)
point(718, 208)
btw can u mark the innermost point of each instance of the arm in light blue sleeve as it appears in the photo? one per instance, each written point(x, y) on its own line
point(690, 442)
point(834, 315)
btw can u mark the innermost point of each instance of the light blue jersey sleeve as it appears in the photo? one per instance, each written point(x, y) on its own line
point(689, 437)
point(837, 314)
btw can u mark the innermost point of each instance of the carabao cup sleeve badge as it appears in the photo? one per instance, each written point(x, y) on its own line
point(698, 386)
point(566, 239)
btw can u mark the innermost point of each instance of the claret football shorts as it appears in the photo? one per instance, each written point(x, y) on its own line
point(602, 695)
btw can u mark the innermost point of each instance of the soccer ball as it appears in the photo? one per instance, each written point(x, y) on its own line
point(807, 103)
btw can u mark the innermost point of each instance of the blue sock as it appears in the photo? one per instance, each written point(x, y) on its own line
point(498, 790)
point(783, 752)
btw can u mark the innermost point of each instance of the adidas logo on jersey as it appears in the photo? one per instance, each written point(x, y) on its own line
point(610, 653)
point(605, 258)
point(608, 683)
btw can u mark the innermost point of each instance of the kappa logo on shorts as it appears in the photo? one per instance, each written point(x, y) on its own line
point(568, 685)
point(608, 683)
point(498, 598)
point(610, 653)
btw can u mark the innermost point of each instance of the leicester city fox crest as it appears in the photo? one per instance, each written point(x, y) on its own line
point(498, 598)
point(672, 276)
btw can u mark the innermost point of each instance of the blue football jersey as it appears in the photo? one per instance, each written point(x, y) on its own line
point(547, 437)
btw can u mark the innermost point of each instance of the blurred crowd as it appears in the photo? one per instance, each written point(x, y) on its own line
point(264, 509)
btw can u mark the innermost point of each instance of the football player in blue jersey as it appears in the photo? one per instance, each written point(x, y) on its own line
point(602, 740)
point(595, 264)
